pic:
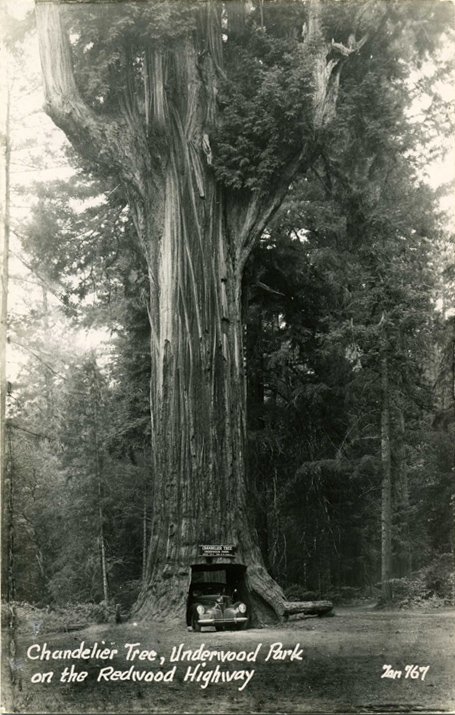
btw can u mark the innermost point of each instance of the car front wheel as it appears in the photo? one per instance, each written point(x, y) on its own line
point(195, 621)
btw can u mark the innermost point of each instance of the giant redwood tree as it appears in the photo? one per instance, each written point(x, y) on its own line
point(203, 111)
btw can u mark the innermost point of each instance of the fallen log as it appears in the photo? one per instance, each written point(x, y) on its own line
point(309, 608)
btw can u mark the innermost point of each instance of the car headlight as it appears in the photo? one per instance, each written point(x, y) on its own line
point(242, 607)
point(200, 609)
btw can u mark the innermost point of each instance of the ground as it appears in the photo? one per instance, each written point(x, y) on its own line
point(337, 667)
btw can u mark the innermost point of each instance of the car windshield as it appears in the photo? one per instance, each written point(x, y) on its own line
point(209, 589)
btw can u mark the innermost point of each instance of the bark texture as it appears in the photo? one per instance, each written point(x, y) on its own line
point(196, 236)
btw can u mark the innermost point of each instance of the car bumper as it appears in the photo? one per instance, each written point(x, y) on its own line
point(212, 621)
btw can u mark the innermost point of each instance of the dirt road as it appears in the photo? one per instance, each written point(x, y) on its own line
point(323, 665)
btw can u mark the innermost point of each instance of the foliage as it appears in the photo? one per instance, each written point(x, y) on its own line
point(357, 277)
point(31, 619)
point(265, 111)
point(431, 586)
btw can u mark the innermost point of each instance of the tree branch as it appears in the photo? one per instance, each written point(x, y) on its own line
point(63, 101)
point(352, 47)
point(260, 208)
point(108, 140)
point(326, 73)
point(28, 431)
point(326, 77)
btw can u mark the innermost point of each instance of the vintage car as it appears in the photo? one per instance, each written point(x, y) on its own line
point(211, 604)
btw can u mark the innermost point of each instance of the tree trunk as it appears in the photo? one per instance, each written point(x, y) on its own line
point(102, 544)
point(404, 557)
point(144, 538)
point(197, 395)
point(98, 476)
point(386, 505)
point(47, 375)
point(103, 561)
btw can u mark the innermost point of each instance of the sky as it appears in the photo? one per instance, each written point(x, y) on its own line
point(37, 155)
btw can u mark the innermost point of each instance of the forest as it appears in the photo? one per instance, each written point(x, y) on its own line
point(250, 232)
